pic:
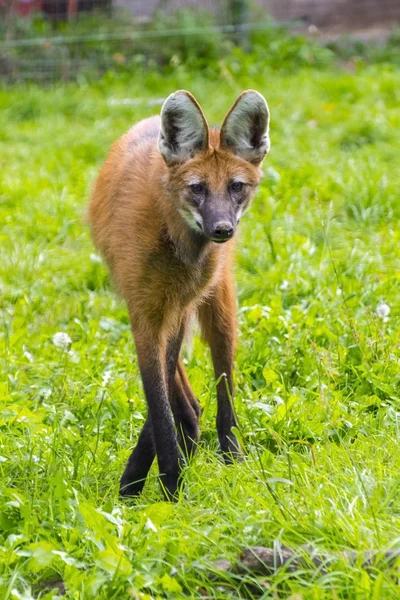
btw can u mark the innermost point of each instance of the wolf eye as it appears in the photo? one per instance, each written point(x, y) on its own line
point(197, 188)
point(237, 186)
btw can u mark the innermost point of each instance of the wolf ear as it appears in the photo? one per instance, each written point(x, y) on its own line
point(184, 129)
point(245, 130)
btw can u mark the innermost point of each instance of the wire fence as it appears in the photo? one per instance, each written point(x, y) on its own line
point(57, 39)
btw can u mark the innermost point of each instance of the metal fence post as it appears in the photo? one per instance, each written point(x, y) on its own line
point(240, 13)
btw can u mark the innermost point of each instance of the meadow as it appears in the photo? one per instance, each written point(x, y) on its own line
point(318, 363)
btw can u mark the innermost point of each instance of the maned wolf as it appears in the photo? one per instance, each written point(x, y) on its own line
point(164, 211)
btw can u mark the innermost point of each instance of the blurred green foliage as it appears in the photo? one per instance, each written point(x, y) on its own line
point(187, 38)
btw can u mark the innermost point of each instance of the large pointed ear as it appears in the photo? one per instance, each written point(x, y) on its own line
point(184, 129)
point(246, 126)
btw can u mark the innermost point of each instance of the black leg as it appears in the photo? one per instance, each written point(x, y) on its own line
point(172, 355)
point(186, 411)
point(158, 434)
point(139, 463)
point(184, 416)
point(186, 419)
point(217, 319)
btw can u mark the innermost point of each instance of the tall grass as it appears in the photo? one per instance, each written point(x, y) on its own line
point(317, 373)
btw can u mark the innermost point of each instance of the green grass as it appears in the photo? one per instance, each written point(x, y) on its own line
point(317, 373)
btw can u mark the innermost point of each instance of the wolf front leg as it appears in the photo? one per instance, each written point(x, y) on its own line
point(218, 324)
point(186, 419)
point(158, 435)
point(139, 463)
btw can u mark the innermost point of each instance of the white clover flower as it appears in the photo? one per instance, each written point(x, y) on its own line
point(95, 258)
point(106, 377)
point(285, 285)
point(150, 526)
point(61, 340)
point(383, 310)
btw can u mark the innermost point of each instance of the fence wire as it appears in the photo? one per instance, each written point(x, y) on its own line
point(56, 39)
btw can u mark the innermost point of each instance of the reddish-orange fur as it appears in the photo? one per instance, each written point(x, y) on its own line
point(165, 273)
point(127, 215)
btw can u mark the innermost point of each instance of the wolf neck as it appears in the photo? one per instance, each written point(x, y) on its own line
point(190, 247)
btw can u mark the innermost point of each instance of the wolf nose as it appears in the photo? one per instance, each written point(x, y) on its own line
point(223, 232)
